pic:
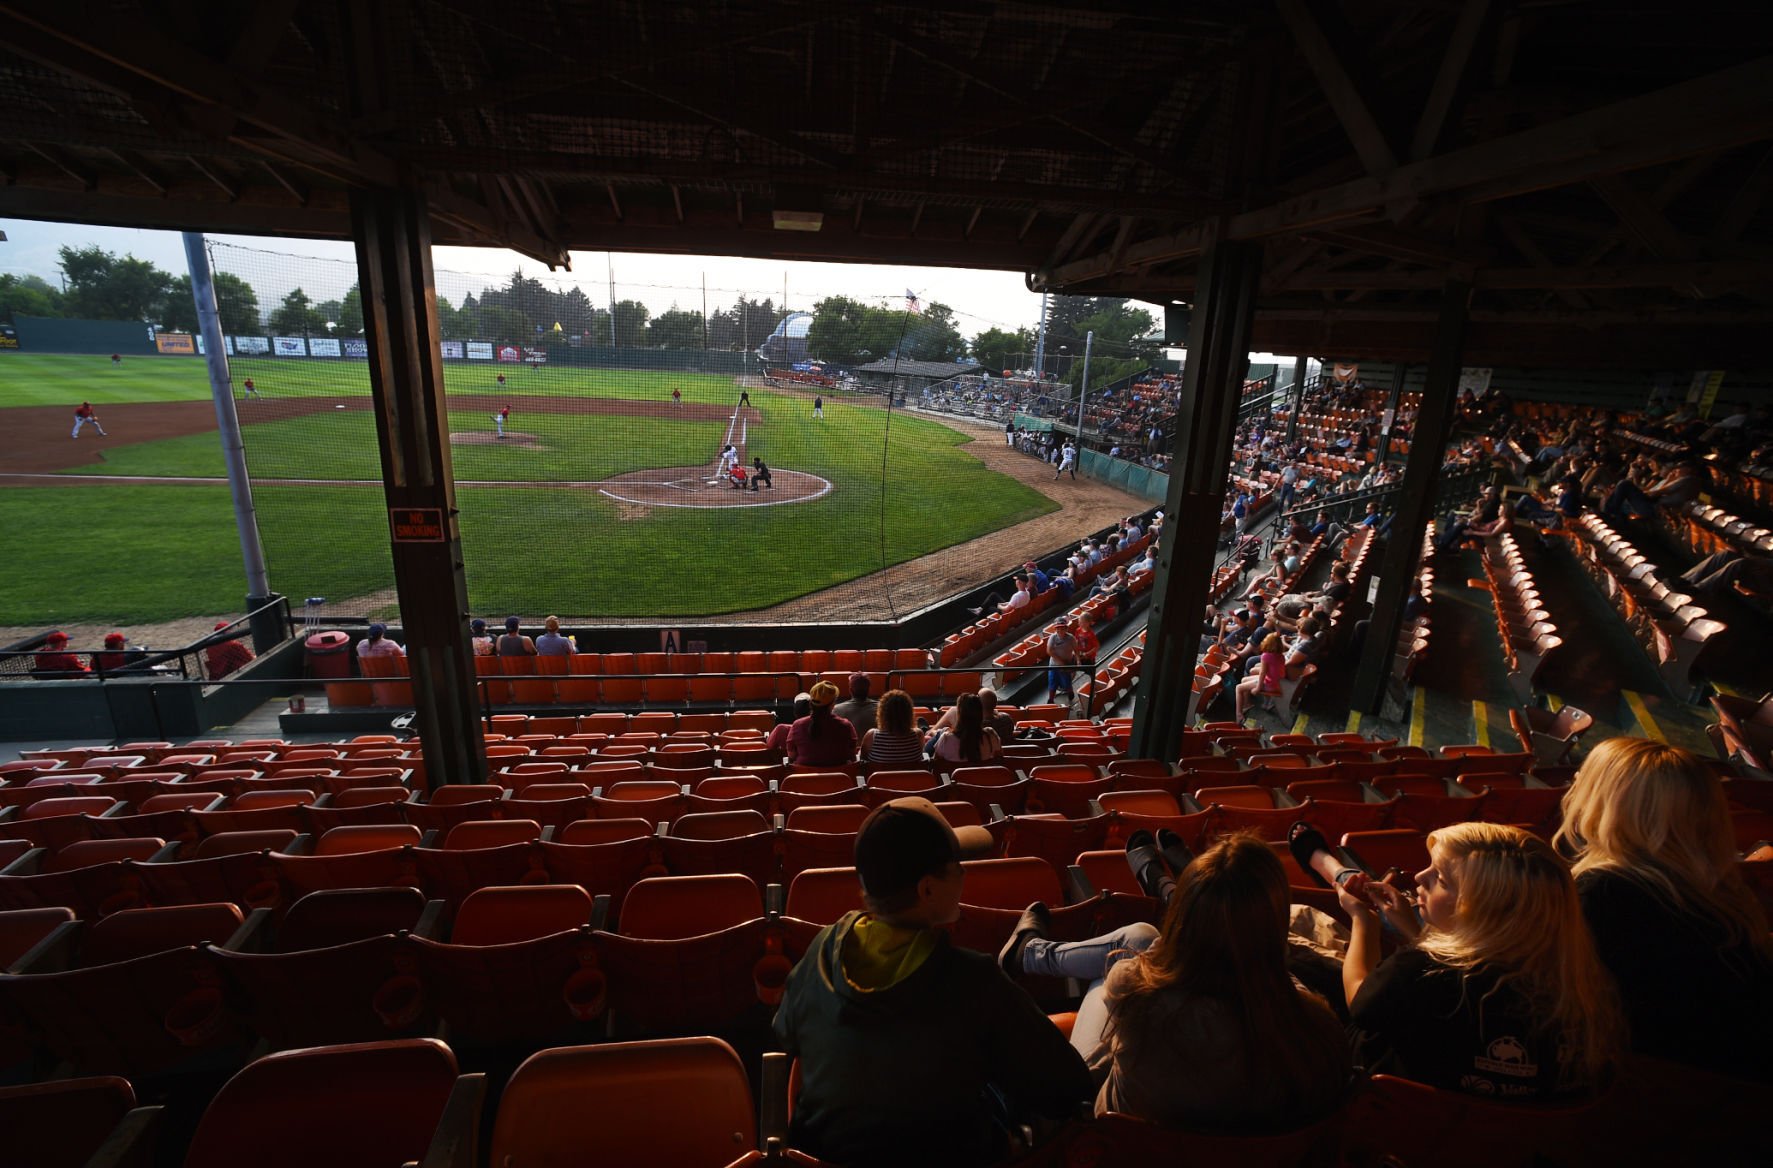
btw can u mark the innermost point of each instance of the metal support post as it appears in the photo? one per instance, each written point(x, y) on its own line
point(392, 230)
point(1040, 346)
point(1299, 366)
point(1083, 390)
point(266, 628)
point(1434, 422)
point(1206, 422)
point(1399, 372)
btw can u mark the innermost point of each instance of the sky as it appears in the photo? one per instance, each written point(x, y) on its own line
point(325, 269)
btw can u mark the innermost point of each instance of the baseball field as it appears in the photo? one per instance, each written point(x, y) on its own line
point(597, 502)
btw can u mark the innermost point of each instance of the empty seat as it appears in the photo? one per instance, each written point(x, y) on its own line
point(366, 837)
point(337, 916)
point(232, 843)
point(86, 853)
point(1013, 882)
point(136, 932)
point(840, 818)
point(373, 1103)
point(22, 929)
point(822, 895)
point(61, 1124)
point(628, 1102)
point(665, 908)
point(491, 833)
point(603, 831)
point(720, 825)
point(521, 912)
point(455, 794)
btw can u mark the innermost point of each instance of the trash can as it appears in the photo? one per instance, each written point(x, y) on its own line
point(329, 654)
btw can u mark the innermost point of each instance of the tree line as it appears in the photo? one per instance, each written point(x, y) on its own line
point(844, 331)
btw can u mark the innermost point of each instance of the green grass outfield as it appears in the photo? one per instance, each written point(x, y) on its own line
point(53, 379)
point(145, 552)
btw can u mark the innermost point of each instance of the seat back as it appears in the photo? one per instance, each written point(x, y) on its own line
point(137, 932)
point(232, 843)
point(337, 916)
point(61, 1124)
point(21, 930)
point(603, 831)
point(1012, 882)
point(288, 1109)
point(627, 1101)
point(491, 833)
point(502, 914)
point(366, 837)
point(837, 818)
point(821, 895)
point(86, 853)
point(668, 908)
point(719, 825)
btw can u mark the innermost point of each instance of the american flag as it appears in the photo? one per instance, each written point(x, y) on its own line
point(911, 304)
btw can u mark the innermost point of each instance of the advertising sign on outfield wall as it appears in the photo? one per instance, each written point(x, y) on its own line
point(182, 344)
point(290, 346)
point(452, 350)
point(356, 348)
point(480, 351)
point(323, 347)
point(8, 337)
point(252, 346)
point(510, 353)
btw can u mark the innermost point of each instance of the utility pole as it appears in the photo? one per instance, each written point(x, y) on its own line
point(610, 264)
point(1040, 342)
point(704, 312)
point(1084, 388)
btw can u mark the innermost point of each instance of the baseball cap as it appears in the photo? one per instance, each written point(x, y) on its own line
point(822, 694)
point(222, 624)
point(114, 640)
point(904, 840)
point(377, 629)
point(57, 638)
point(477, 625)
point(512, 624)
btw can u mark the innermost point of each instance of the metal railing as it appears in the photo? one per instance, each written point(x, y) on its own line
point(18, 661)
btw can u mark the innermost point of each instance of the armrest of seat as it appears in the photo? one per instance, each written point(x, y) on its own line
point(1082, 888)
point(53, 954)
point(29, 864)
point(455, 1142)
point(600, 911)
point(131, 1142)
point(772, 1098)
point(253, 934)
point(431, 921)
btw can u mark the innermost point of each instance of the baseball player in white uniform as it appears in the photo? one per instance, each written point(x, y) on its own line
point(729, 458)
point(1067, 461)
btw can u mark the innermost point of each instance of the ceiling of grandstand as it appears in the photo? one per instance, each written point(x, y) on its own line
point(1598, 171)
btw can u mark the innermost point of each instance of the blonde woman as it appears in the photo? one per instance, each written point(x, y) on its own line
point(1684, 937)
point(1502, 993)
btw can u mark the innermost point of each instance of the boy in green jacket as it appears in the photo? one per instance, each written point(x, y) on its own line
point(907, 1044)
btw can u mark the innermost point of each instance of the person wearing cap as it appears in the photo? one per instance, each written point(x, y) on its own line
point(514, 643)
point(377, 643)
point(861, 711)
point(117, 655)
point(480, 639)
point(821, 738)
point(778, 735)
point(55, 658)
point(224, 657)
point(1038, 580)
point(900, 1034)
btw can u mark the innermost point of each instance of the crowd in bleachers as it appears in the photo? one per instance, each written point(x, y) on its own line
point(169, 913)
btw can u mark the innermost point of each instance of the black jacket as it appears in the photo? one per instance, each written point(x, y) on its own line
point(900, 1075)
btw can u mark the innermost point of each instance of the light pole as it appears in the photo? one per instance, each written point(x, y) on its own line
point(1084, 387)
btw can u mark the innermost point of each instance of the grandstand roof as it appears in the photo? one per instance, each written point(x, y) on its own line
point(1598, 170)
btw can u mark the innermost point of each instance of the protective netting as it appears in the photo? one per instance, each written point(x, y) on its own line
point(607, 437)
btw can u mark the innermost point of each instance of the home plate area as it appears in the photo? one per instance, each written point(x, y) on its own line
point(696, 486)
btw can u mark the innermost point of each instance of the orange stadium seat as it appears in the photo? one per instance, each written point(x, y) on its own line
point(665, 908)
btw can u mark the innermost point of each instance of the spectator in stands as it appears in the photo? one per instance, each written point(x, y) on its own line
point(551, 643)
point(479, 639)
point(971, 740)
point(1305, 647)
point(224, 657)
point(1083, 631)
point(1675, 487)
point(1289, 483)
point(1037, 579)
point(1483, 518)
point(376, 644)
point(1551, 513)
point(895, 742)
point(1656, 868)
point(860, 710)
point(1061, 660)
point(902, 1035)
point(821, 738)
point(1019, 599)
point(1266, 679)
point(117, 655)
point(514, 643)
point(1271, 576)
point(55, 658)
point(1717, 574)
point(778, 735)
point(1065, 585)
point(1201, 1026)
point(1501, 992)
point(1294, 607)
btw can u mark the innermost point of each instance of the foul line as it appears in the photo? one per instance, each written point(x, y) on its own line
point(1480, 724)
point(1418, 715)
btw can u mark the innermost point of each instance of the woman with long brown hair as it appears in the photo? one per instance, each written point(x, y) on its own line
point(1501, 993)
point(1200, 1025)
point(971, 740)
point(895, 742)
point(1655, 860)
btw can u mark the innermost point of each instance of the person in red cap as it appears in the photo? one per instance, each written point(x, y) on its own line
point(225, 657)
point(900, 1033)
point(55, 658)
point(117, 655)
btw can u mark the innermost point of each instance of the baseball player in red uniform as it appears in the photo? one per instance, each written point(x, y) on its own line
point(251, 389)
point(116, 360)
point(84, 416)
point(500, 418)
point(676, 396)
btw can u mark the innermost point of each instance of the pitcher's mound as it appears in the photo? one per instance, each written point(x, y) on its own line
point(483, 438)
point(689, 486)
